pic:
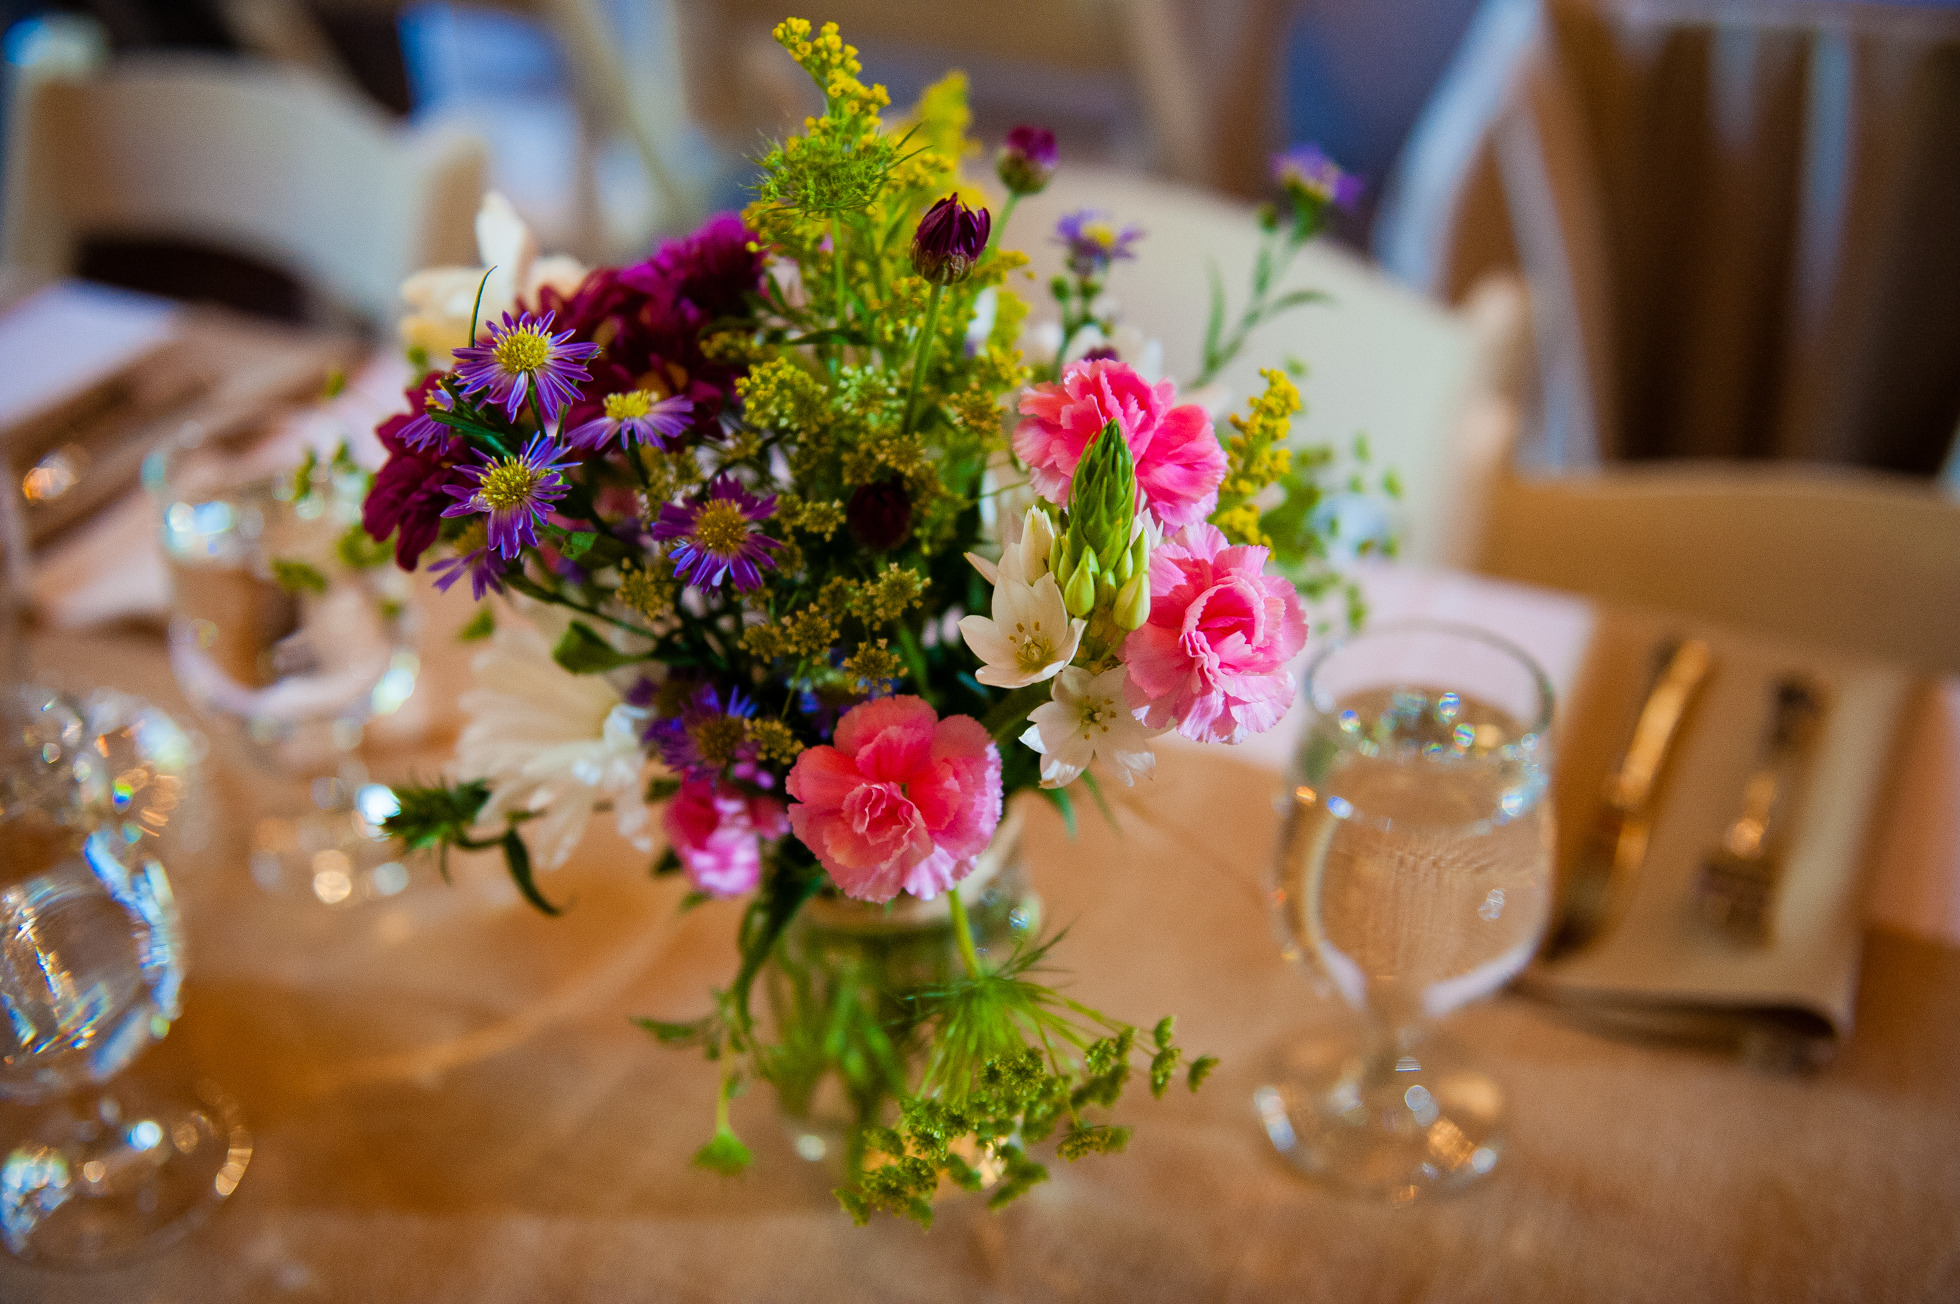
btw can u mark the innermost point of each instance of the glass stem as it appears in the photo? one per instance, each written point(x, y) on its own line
point(922, 357)
point(963, 934)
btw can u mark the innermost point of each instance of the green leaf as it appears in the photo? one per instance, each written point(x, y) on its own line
point(1201, 1068)
point(481, 626)
point(673, 1034)
point(1166, 1028)
point(518, 858)
point(359, 550)
point(1061, 801)
point(574, 546)
point(297, 576)
point(584, 653)
point(725, 1154)
point(669, 862)
point(662, 788)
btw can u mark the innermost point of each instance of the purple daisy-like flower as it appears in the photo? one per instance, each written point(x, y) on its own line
point(637, 418)
point(1094, 242)
point(1027, 160)
point(950, 239)
point(424, 433)
point(1306, 168)
point(717, 536)
point(516, 492)
point(485, 569)
point(707, 736)
point(523, 352)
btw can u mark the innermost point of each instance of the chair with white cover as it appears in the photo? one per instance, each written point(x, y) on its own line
point(1859, 561)
point(261, 160)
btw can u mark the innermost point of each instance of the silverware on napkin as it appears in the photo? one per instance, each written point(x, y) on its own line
point(1596, 883)
point(1739, 878)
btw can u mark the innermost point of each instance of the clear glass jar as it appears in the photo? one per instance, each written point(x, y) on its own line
point(846, 1045)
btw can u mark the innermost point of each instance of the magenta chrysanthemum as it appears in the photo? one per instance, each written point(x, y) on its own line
point(716, 536)
point(523, 353)
point(516, 493)
point(636, 418)
point(1094, 242)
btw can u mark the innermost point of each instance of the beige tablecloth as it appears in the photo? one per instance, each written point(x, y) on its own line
point(450, 1105)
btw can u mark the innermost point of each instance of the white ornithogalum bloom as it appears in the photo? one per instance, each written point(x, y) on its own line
point(552, 742)
point(1089, 718)
point(1024, 559)
point(440, 299)
point(1030, 637)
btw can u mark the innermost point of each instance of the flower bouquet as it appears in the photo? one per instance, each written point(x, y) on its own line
point(834, 575)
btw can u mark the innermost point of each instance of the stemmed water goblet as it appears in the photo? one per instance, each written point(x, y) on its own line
point(288, 633)
point(1414, 875)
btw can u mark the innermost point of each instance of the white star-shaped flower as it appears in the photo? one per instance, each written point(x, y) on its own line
point(1090, 718)
point(1030, 637)
point(1025, 559)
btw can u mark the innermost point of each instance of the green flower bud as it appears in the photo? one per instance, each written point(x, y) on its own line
point(1133, 603)
point(1079, 596)
point(1102, 499)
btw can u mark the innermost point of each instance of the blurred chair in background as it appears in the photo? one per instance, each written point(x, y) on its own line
point(1735, 219)
point(1052, 56)
point(261, 160)
point(1857, 560)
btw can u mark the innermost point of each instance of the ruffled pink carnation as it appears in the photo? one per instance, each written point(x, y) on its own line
point(1212, 657)
point(1178, 460)
point(717, 830)
point(904, 800)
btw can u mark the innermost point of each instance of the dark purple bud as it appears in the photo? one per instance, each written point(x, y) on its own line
point(880, 515)
point(1028, 160)
point(1101, 353)
point(950, 239)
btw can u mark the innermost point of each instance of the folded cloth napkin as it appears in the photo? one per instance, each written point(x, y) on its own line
point(1661, 969)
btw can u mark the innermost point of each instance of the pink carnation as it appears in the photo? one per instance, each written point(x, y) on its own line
point(717, 830)
point(904, 800)
point(1178, 460)
point(1212, 657)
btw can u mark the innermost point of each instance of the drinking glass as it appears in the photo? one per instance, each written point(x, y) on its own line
point(288, 640)
point(101, 1165)
point(1414, 874)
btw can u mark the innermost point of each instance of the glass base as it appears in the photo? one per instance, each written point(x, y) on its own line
point(1408, 1120)
point(111, 1174)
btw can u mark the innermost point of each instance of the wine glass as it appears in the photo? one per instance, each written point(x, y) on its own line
point(1414, 873)
point(102, 1165)
point(289, 631)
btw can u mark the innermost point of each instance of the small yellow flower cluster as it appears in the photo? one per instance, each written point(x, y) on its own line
point(669, 475)
point(869, 664)
point(1256, 457)
point(774, 741)
point(780, 395)
point(652, 590)
point(821, 518)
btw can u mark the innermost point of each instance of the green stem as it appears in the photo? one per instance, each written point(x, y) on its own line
point(1000, 227)
point(1010, 711)
point(837, 284)
point(922, 357)
point(963, 934)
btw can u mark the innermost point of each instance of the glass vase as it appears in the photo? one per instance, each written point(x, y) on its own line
point(839, 982)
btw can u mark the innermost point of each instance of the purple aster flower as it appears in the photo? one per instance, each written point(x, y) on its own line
point(950, 239)
point(1304, 168)
point(637, 419)
point(485, 569)
point(1094, 242)
point(717, 536)
point(516, 491)
point(1027, 161)
point(521, 353)
point(707, 736)
point(424, 433)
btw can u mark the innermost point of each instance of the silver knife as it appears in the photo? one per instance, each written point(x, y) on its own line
point(1595, 885)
